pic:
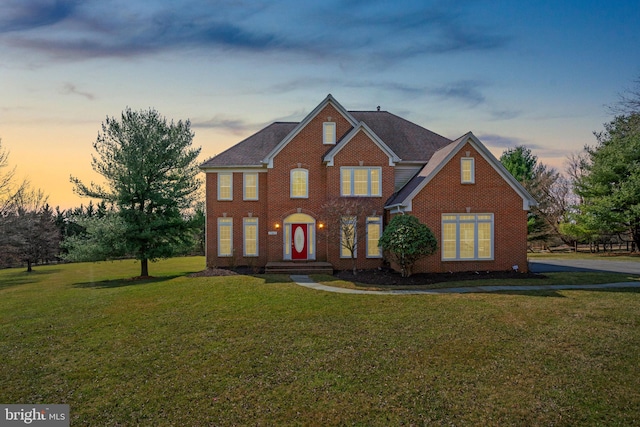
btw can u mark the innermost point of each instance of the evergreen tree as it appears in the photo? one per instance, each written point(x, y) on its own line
point(406, 240)
point(610, 186)
point(151, 178)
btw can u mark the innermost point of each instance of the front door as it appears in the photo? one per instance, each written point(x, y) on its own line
point(299, 241)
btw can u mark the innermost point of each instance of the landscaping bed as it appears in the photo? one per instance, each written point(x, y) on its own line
point(388, 277)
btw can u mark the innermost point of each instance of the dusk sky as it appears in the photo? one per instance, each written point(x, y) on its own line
point(533, 73)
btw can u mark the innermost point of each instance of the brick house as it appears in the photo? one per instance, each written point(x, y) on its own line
point(264, 195)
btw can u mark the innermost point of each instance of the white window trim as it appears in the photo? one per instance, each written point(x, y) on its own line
point(230, 175)
point(473, 170)
point(245, 223)
point(351, 171)
point(377, 220)
point(325, 125)
point(244, 185)
point(225, 222)
point(354, 221)
point(306, 171)
point(475, 221)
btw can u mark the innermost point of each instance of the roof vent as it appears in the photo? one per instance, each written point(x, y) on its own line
point(378, 108)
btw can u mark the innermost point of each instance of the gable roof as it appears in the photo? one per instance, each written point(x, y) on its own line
point(404, 197)
point(393, 158)
point(328, 100)
point(401, 139)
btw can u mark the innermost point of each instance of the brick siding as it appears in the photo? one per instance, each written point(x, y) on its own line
point(444, 194)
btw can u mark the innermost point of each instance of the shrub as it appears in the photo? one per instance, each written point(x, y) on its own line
point(405, 240)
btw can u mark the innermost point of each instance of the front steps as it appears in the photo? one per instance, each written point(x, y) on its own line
point(299, 267)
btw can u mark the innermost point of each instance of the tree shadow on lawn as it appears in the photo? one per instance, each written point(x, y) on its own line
point(22, 277)
point(556, 292)
point(120, 283)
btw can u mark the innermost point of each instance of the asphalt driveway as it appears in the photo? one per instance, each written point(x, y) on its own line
point(554, 265)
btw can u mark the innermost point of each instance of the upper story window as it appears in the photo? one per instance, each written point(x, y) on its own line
point(361, 181)
point(467, 170)
point(299, 186)
point(329, 133)
point(250, 190)
point(225, 186)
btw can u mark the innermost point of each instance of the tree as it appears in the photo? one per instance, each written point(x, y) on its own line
point(342, 215)
point(406, 240)
point(547, 186)
point(521, 163)
point(150, 174)
point(8, 188)
point(629, 101)
point(102, 238)
point(6, 177)
point(29, 231)
point(610, 186)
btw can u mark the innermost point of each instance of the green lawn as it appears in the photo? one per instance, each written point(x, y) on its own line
point(261, 350)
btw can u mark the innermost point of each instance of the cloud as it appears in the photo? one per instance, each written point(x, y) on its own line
point(502, 141)
point(21, 15)
point(234, 126)
point(377, 31)
point(505, 114)
point(70, 89)
point(467, 91)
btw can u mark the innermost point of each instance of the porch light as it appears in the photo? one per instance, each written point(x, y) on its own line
point(321, 225)
point(277, 225)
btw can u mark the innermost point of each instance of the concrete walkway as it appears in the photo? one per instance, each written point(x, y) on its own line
point(308, 283)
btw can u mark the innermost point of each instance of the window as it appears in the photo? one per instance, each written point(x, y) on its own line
point(250, 236)
point(329, 133)
point(348, 240)
point(225, 237)
point(467, 170)
point(225, 186)
point(250, 190)
point(467, 237)
point(361, 181)
point(299, 183)
point(374, 231)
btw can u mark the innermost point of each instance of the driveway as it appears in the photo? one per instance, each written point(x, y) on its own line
point(555, 265)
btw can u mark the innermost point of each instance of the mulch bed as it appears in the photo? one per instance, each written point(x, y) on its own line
point(390, 277)
point(214, 272)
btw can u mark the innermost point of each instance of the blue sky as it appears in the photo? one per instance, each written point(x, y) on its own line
point(536, 73)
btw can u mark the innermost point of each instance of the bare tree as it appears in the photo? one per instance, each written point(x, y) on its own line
point(576, 165)
point(29, 231)
point(629, 101)
point(7, 185)
point(342, 216)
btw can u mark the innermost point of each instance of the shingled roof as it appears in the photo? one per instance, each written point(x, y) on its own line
point(252, 150)
point(407, 140)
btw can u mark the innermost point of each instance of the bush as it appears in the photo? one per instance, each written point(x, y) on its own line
point(405, 240)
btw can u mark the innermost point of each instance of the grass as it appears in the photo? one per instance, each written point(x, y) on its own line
point(568, 278)
point(244, 350)
point(614, 256)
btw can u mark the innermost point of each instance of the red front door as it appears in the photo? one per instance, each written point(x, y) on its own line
point(298, 241)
